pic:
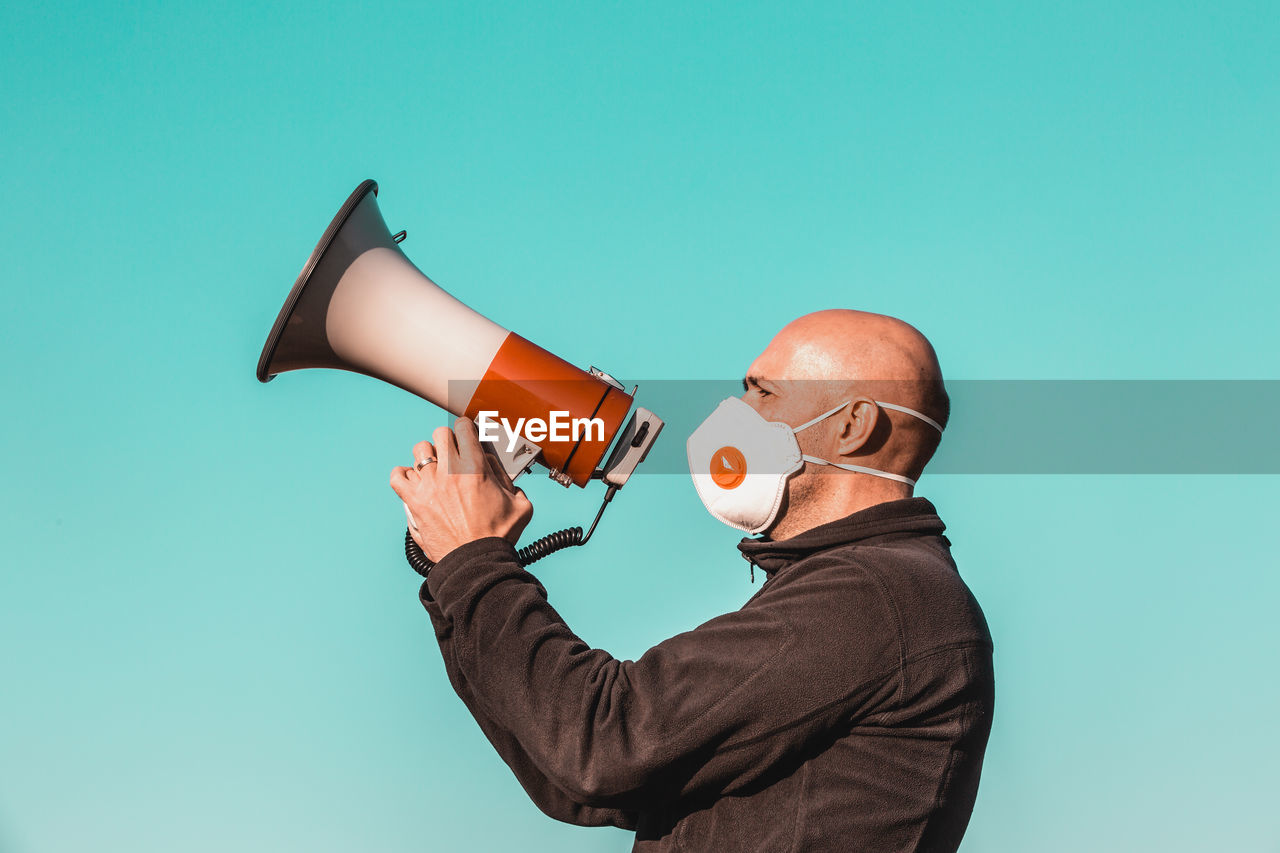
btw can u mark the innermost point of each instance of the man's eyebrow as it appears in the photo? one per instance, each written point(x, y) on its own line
point(755, 381)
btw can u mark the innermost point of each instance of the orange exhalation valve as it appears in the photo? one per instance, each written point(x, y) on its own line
point(728, 467)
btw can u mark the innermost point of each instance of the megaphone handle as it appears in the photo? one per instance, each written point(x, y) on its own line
point(526, 556)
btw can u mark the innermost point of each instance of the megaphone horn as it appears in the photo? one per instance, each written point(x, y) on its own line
point(360, 304)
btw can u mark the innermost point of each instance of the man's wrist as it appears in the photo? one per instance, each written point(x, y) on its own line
point(487, 550)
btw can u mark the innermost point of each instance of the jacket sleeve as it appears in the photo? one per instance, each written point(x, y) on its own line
point(542, 791)
point(706, 712)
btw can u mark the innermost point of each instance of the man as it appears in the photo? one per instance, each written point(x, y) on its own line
point(846, 706)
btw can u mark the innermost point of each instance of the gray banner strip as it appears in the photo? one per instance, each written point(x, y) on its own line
point(1051, 426)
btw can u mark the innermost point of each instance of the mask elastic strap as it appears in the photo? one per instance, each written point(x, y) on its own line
point(821, 417)
point(858, 469)
point(930, 421)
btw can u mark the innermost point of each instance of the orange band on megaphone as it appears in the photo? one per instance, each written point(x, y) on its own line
point(526, 381)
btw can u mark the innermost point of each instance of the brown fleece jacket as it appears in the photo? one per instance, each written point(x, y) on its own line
point(846, 706)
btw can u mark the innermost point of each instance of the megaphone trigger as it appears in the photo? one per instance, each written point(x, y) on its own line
point(515, 455)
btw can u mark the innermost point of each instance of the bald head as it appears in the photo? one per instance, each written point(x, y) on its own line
point(856, 352)
point(823, 359)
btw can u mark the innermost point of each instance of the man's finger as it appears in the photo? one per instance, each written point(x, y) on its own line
point(446, 449)
point(470, 453)
point(400, 482)
point(422, 451)
point(497, 472)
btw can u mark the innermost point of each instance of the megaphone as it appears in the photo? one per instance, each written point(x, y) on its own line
point(360, 305)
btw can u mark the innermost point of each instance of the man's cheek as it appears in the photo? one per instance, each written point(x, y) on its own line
point(758, 403)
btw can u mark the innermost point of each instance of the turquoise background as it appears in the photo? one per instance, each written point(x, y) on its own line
point(208, 638)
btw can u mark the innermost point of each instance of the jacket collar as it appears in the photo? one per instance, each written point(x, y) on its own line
point(910, 515)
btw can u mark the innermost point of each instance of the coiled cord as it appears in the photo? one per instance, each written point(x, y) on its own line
point(549, 544)
point(526, 556)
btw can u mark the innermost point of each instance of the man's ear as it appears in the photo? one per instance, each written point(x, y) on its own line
point(856, 426)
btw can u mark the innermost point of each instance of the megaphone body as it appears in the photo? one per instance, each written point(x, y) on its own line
point(360, 304)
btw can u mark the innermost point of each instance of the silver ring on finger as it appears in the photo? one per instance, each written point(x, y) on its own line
point(423, 463)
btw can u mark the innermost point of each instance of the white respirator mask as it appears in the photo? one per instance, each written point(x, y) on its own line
point(741, 463)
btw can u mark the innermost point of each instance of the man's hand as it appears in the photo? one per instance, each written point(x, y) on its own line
point(462, 496)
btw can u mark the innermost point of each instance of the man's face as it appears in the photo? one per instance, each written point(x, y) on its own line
point(782, 384)
point(772, 388)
